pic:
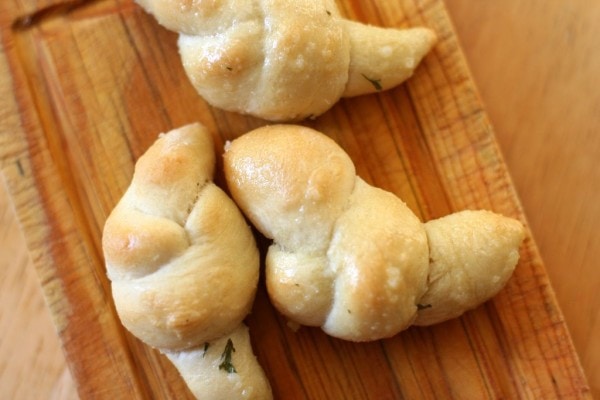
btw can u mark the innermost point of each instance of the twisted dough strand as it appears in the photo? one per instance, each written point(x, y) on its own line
point(184, 266)
point(354, 259)
point(285, 60)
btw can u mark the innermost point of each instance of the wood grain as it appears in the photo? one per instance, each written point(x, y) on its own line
point(92, 94)
point(31, 360)
point(536, 66)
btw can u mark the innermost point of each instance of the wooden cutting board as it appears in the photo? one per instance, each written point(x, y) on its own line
point(92, 84)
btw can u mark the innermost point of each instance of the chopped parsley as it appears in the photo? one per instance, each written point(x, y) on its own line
point(226, 364)
point(375, 82)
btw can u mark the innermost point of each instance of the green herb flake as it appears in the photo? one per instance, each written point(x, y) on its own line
point(206, 345)
point(226, 364)
point(20, 167)
point(375, 82)
point(423, 306)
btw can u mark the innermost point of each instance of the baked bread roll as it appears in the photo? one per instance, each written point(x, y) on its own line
point(354, 259)
point(184, 267)
point(285, 60)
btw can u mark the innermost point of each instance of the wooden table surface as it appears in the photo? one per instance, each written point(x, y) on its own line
point(537, 68)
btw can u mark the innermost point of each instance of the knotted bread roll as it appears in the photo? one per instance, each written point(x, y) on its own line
point(184, 267)
point(285, 60)
point(352, 258)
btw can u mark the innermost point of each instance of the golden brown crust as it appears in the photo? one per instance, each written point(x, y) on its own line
point(203, 290)
point(135, 248)
point(285, 60)
point(301, 196)
point(379, 256)
point(182, 260)
point(352, 258)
